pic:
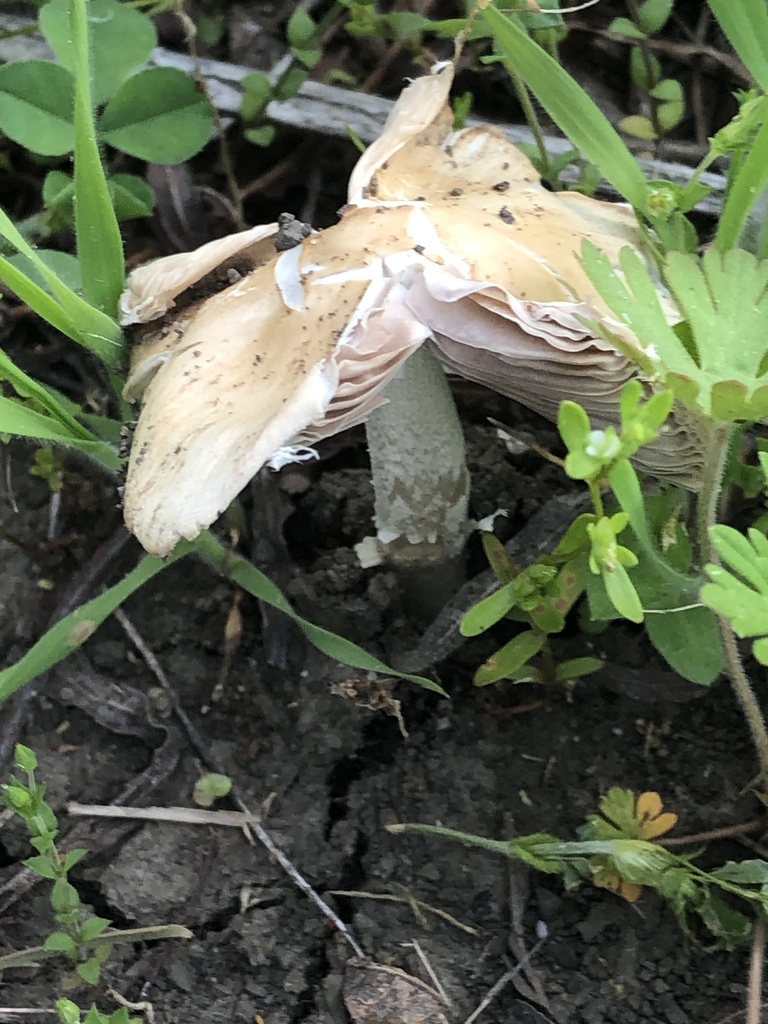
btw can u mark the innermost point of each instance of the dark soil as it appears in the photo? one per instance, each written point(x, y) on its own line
point(327, 773)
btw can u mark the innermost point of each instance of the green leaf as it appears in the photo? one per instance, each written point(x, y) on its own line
point(653, 15)
point(73, 857)
point(37, 298)
point(669, 115)
point(746, 25)
point(257, 92)
point(745, 872)
point(158, 115)
point(42, 866)
point(622, 593)
point(27, 387)
point(60, 942)
point(575, 668)
point(131, 197)
point(745, 188)
point(25, 758)
point(64, 897)
point(99, 244)
point(731, 927)
point(617, 817)
point(689, 641)
point(724, 300)
point(122, 39)
point(63, 264)
point(499, 560)
point(724, 297)
point(507, 662)
point(289, 84)
point(90, 972)
point(69, 1012)
point(635, 300)
point(262, 136)
point(489, 611)
point(37, 106)
point(668, 90)
point(625, 27)
point(570, 107)
point(74, 629)
point(644, 72)
point(639, 126)
point(640, 861)
point(573, 425)
point(744, 604)
point(301, 29)
point(92, 927)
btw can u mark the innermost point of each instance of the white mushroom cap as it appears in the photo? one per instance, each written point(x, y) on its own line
point(297, 350)
point(450, 237)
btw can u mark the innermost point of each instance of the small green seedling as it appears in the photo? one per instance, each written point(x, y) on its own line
point(80, 936)
point(210, 787)
point(617, 849)
point(738, 587)
point(664, 95)
point(259, 90)
point(155, 114)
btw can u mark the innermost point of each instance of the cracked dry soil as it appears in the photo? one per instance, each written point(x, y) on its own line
point(328, 774)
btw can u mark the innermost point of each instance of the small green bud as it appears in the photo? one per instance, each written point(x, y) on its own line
point(604, 553)
point(25, 758)
point(17, 797)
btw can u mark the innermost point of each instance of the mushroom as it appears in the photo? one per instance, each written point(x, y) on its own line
point(449, 252)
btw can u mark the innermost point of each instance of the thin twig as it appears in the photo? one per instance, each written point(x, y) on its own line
point(505, 979)
point(726, 832)
point(409, 900)
point(175, 815)
point(252, 825)
point(14, 1012)
point(755, 984)
point(430, 971)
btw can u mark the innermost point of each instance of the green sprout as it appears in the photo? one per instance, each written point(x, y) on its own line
point(618, 849)
point(79, 936)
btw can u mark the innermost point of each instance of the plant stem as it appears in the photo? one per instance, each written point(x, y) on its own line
point(707, 515)
point(529, 113)
point(745, 696)
point(715, 459)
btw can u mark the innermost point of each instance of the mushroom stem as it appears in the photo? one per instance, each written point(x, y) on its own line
point(421, 484)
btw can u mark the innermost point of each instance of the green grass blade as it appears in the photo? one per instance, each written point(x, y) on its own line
point(26, 387)
point(37, 298)
point(21, 421)
point(748, 185)
point(73, 630)
point(99, 245)
point(570, 107)
point(95, 330)
point(256, 583)
point(745, 22)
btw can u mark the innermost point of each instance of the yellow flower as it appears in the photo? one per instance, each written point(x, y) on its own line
point(652, 820)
